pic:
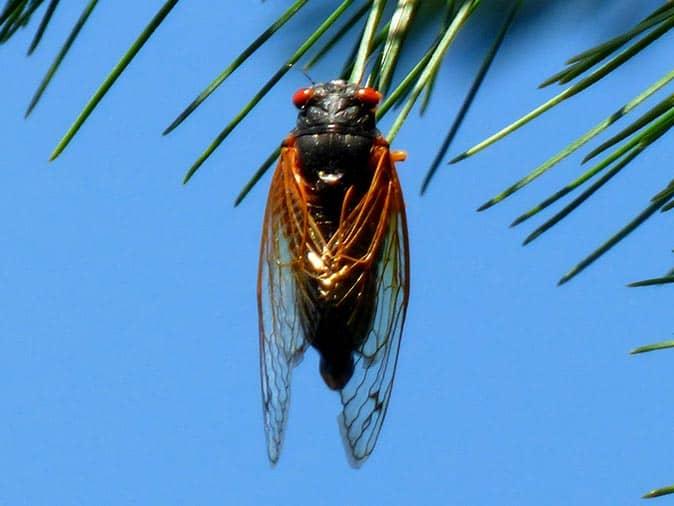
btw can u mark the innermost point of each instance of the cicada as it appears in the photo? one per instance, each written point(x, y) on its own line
point(334, 263)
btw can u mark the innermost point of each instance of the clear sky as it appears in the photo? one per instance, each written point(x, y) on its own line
point(128, 332)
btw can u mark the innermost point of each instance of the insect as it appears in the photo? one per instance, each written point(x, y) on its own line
point(334, 263)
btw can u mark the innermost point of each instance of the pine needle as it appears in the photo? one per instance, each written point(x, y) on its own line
point(245, 54)
point(366, 41)
point(621, 234)
point(470, 96)
point(112, 77)
point(571, 148)
point(399, 28)
point(61, 55)
point(652, 347)
point(659, 492)
point(569, 92)
point(436, 58)
point(257, 176)
point(301, 51)
point(43, 25)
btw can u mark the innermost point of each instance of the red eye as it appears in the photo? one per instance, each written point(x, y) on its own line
point(369, 96)
point(301, 97)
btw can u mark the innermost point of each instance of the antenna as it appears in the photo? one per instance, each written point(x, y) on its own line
point(306, 74)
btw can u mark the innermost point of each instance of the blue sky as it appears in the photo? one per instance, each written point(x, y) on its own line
point(129, 364)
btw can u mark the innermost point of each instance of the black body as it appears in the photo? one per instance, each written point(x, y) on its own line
point(334, 137)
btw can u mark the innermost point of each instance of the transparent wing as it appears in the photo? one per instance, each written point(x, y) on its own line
point(281, 336)
point(366, 396)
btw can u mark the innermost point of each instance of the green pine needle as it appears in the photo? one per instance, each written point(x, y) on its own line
point(653, 347)
point(88, 9)
point(376, 44)
point(659, 492)
point(407, 83)
point(583, 84)
point(43, 26)
point(10, 7)
point(399, 28)
point(621, 234)
point(629, 151)
point(112, 76)
point(541, 169)
point(470, 96)
point(257, 175)
point(667, 207)
point(652, 115)
point(587, 59)
point(653, 281)
point(245, 54)
point(658, 16)
point(25, 16)
point(366, 41)
point(435, 60)
point(12, 21)
point(573, 205)
point(301, 51)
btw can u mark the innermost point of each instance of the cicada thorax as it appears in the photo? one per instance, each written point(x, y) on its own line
point(330, 165)
point(337, 167)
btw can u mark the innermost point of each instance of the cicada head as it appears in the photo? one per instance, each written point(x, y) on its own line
point(336, 106)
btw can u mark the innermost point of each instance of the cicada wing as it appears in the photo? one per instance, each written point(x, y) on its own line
point(365, 397)
point(282, 342)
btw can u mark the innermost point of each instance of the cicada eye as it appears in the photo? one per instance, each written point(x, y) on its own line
point(301, 97)
point(369, 96)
